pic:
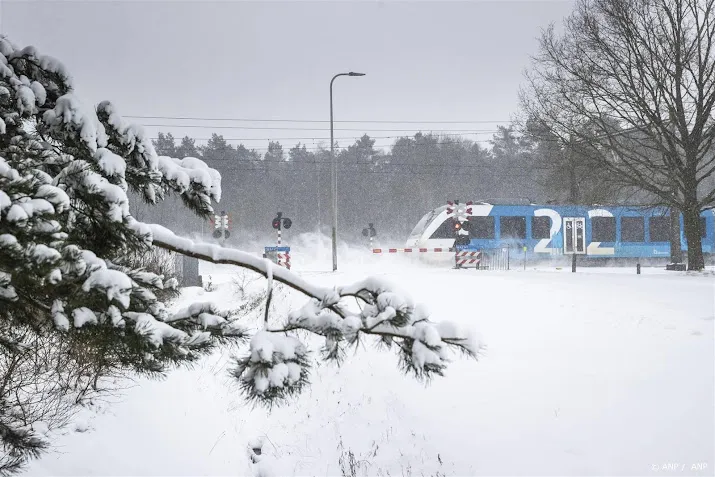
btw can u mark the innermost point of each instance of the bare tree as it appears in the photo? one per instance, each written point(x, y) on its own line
point(562, 166)
point(634, 80)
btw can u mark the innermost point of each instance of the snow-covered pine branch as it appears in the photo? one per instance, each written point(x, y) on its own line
point(65, 239)
point(277, 366)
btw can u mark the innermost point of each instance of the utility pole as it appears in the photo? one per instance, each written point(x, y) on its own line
point(334, 172)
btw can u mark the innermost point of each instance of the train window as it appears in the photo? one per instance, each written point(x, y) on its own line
point(445, 230)
point(481, 227)
point(632, 229)
point(513, 227)
point(659, 228)
point(540, 227)
point(603, 229)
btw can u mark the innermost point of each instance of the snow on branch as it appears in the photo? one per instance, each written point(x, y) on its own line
point(165, 238)
point(278, 365)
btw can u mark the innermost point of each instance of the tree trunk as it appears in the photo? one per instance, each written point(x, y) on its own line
point(676, 254)
point(691, 215)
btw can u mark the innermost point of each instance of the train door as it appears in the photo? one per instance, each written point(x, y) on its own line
point(574, 235)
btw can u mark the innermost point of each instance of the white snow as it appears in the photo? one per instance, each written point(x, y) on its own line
point(7, 171)
point(110, 163)
point(7, 240)
point(69, 111)
point(25, 99)
point(277, 353)
point(55, 276)
point(5, 201)
point(81, 316)
point(601, 372)
point(41, 253)
point(115, 284)
point(190, 170)
point(33, 207)
point(58, 316)
point(46, 62)
point(16, 214)
point(55, 196)
point(156, 331)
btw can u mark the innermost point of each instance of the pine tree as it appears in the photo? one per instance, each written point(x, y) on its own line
point(165, 145)
point(274, 152)
point(217, 149)
point(187, 148)
point(65, 235)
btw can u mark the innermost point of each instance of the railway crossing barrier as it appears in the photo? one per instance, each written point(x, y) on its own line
point(467, 259)
point(412, 250)
point(278, 255)
point(485, 259)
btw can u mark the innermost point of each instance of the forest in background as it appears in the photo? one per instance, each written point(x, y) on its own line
point(391, 188)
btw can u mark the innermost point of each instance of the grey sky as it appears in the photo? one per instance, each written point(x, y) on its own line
point(426, 61)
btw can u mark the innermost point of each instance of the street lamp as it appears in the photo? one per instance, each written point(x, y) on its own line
point(334, 172)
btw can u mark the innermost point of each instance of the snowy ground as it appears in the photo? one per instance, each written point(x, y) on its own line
point(602, 372)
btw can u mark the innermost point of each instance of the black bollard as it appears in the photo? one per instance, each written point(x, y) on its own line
point(638, 268)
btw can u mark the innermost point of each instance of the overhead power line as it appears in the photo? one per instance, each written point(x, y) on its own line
point(292, 128)
point(348, 138)
point(271, 120)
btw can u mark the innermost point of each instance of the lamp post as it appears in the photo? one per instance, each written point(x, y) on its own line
point(334, 173)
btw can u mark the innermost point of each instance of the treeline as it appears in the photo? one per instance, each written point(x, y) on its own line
point(391, 189)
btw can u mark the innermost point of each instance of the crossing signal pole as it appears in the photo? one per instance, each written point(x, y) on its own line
point(221, 225)
point(461, 213)
point(369, 232)
point(280, 222)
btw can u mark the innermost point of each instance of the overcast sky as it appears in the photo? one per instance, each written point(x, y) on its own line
point(425, 61)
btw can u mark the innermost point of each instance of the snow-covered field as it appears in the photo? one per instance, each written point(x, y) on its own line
point(602, 372)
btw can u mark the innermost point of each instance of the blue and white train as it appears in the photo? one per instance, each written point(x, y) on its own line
point(548, 231)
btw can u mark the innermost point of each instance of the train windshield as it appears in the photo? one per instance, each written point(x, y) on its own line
point(423, 223)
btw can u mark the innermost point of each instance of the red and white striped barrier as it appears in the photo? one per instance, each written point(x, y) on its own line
point(468, 259)
point(284, 259)
point(411, 250)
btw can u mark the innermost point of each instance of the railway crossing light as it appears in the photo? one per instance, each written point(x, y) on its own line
point(279, 223)
point(221, 224)
point(369, 232)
